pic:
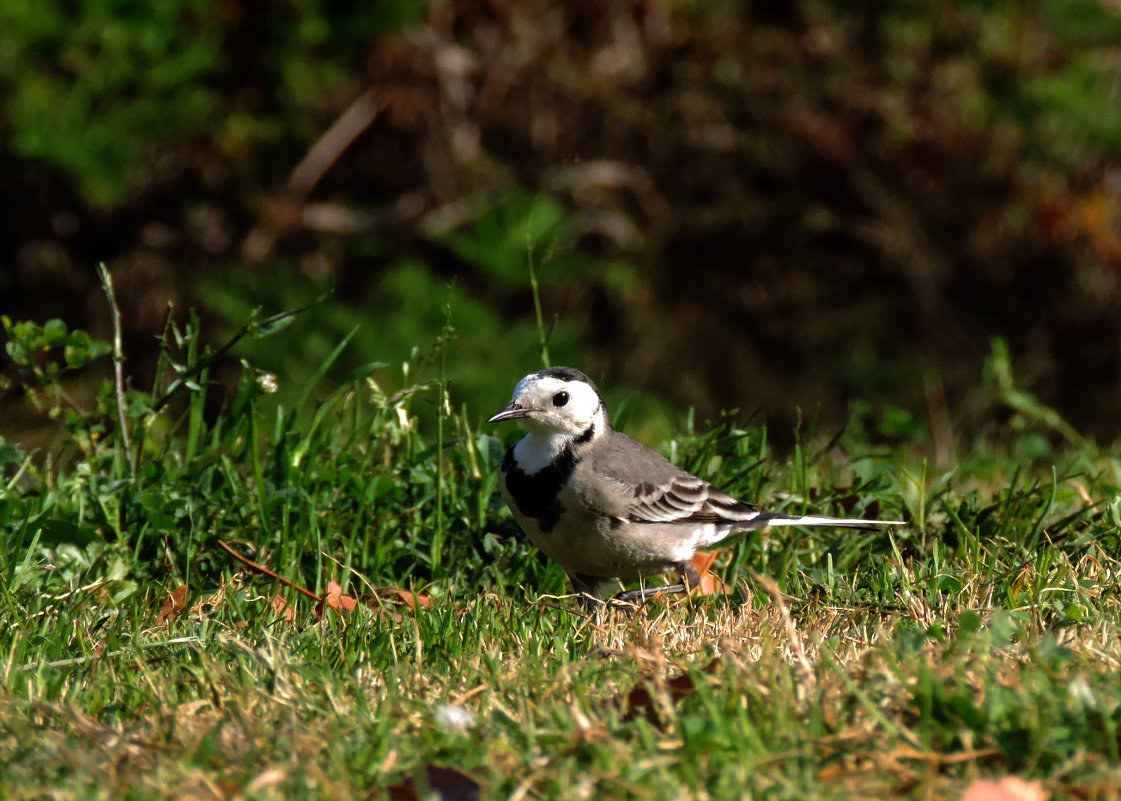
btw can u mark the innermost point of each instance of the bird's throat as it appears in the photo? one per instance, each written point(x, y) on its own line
point(536, 451)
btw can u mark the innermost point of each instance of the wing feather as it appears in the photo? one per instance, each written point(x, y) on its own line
point(687, 499)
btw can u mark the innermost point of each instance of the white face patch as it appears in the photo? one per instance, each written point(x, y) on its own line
point(560, 406)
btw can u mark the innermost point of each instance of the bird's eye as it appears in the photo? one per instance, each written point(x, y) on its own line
point(560, 399)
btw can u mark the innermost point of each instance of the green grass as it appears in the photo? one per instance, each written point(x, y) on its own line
point(982, 639)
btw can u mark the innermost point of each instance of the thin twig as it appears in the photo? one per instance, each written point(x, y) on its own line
point(357, 117)
point(118, 364)
point(265, 571)
point(288, 208)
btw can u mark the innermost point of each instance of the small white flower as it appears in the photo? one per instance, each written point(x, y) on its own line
point(453, 717)
point(268, 383)
point(1082, 693)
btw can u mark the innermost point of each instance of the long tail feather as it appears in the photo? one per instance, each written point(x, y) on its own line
point(779, 519)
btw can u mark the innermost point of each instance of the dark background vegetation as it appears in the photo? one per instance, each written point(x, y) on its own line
point(754, 205)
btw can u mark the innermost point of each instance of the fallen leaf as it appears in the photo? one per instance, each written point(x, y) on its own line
point(283, 608)
point(446, 784)
point(1010, 788)
point(334, 599)
point(404, 597)
point(710, 583)
point(173, 605)
point(641, 701)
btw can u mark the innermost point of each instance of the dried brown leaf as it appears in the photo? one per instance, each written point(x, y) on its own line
point(174, 605)
point(404, 597)
point(334, 599)
point(640, 700)
point(283, 608)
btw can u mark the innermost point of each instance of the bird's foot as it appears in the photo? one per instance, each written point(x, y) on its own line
point(649, 593)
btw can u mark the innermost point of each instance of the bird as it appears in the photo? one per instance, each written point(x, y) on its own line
point(605, 507)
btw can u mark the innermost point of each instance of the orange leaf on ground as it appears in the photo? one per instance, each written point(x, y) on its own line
point(446, 784)
point(405, 597)
point(710, 583)
point(283, 608)
point(173, 605)
point(1010, 788)
point(334, 599)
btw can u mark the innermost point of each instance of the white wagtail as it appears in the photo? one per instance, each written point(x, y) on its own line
point(606, 507)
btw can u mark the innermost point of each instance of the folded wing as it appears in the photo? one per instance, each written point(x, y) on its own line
point(687, 499)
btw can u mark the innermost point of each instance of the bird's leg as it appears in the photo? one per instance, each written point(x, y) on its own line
point(689, 575)
point(590, 590)
point(588, 602)
point(645, 593)
point(690, 578)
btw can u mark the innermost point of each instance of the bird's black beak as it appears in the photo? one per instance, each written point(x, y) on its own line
point(512, 412)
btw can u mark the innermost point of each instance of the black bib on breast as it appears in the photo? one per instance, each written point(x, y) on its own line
point(538, 495)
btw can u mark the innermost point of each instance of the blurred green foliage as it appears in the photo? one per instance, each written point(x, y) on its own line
point(517, 228)
point(27, 340)
point(728, 204)
point(91, 86)
point(41, 355)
